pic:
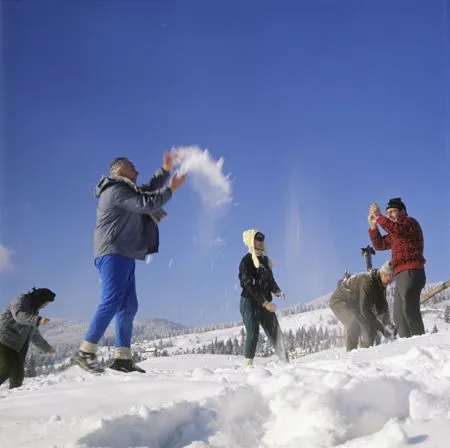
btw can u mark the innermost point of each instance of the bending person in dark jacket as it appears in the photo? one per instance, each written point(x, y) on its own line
point(19, 325)
point(405, 238)
point(258, 285)
point(353, 303)
point(127, 230)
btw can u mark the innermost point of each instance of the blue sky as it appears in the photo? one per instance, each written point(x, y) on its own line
point(318, 108)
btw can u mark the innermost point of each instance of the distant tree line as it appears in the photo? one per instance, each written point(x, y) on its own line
point(301, 342)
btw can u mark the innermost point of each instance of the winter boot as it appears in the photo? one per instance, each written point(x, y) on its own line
point(125, 365)
point(87, 361)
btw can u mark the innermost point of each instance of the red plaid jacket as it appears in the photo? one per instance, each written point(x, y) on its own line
point(405, 238)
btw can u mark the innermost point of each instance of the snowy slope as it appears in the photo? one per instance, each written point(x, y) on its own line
point(319, 318)
point(63, 331)
point(393, 395)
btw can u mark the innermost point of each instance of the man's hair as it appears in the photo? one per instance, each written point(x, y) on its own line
point(116, 164)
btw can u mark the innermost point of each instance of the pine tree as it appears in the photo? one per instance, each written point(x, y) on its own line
point(435, 329)
point(447, 314)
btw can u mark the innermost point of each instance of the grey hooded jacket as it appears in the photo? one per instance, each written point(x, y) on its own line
point(128, 216)
point(19, 323)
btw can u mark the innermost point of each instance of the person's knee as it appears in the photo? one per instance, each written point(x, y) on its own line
point(134, 306)
point(251, 323)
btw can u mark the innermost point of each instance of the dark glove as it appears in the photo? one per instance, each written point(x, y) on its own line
point(389, 331)
point(158, 215)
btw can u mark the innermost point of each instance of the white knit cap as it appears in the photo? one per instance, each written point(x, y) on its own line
point(248, 237)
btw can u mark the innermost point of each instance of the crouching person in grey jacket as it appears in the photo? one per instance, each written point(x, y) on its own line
point(19, 325)
point(355, 302)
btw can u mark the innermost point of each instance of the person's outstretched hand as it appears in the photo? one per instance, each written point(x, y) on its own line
point(176, 182)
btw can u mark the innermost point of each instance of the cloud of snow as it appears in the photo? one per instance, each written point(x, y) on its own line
point(207, 178)
point(310, 256)
point(6, 262)
point(205, 174)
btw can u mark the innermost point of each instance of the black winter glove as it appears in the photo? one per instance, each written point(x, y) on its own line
point(390, 332)
point(158, 215)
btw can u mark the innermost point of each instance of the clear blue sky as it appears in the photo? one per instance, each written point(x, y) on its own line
point(319, 108)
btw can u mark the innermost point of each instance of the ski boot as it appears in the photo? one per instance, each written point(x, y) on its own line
point(87, 361)
point(125, 365)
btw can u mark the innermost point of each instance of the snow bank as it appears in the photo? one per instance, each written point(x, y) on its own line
point(391, 396)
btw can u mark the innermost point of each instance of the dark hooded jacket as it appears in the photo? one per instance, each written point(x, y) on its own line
point(257, 283)
point(20, 320)
point(128, 216)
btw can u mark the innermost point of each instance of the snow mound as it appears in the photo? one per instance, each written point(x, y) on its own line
point(390, 396)
point(234, 418)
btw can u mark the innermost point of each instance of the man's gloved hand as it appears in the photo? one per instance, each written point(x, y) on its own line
point(390, 332)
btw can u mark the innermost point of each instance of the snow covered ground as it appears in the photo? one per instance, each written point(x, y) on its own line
point(393, 395)
point(322, 317)
point(318, 318)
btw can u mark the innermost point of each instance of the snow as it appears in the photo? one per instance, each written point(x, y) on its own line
point(6, 256)
point(317, 318)
point(206, 174)
point(390, 396)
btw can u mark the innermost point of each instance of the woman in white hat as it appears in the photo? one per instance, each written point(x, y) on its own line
point(258, 284)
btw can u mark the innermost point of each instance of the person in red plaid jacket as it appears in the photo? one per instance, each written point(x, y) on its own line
point(405, 239)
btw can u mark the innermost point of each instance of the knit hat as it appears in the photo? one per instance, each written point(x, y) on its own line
point(396, 203)
point(249, 239)
point(387, 268)
point(42, 295)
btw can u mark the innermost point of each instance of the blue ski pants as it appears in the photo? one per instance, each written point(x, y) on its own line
point(118, 298)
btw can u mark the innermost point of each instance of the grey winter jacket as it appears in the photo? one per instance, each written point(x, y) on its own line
point(361, 292)
point(19, 323)
point(128, 216)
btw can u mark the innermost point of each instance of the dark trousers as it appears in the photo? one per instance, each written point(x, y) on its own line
point(356, 327)
point(407, 315)
point(12, 365)
point(255, 315)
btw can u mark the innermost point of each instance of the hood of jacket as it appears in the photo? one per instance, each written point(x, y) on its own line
point(248, 237)
point(107, 181)
point(39, 296)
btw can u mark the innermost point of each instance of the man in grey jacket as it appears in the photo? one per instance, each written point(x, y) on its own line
point(126, 230)
point(355, 301)
point(19, 325)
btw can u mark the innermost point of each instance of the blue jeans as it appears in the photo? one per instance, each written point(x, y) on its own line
point(118, 298)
